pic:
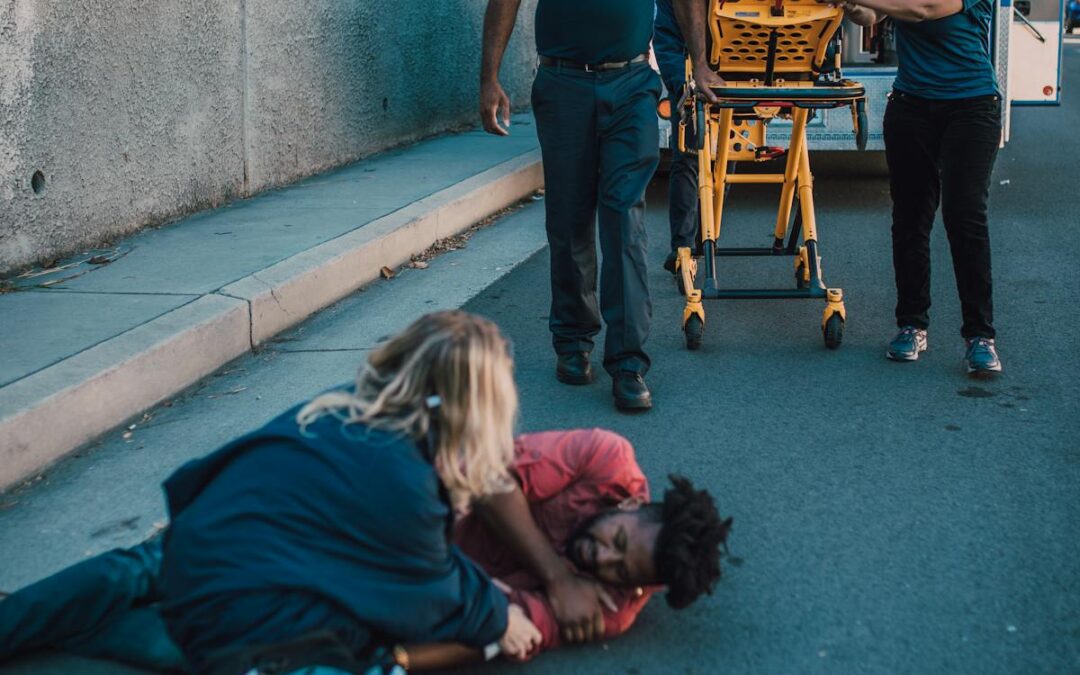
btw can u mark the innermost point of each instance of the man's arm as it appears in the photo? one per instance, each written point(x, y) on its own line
point(498, 25)
point(914, 10)
point(576, 601)
point(617, 620)
point(691, 17)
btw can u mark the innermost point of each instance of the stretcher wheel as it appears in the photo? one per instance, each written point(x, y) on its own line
point(694, 329)
point(833, 331)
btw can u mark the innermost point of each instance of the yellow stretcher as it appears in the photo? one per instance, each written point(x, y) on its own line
point(771, 54)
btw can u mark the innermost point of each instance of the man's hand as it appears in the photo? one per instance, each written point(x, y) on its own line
point(691, 17)
point(577, 603)
point(494, 104)
point(705, 78)
point(499, 20)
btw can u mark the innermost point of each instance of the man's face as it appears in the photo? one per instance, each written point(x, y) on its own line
point(616, 547)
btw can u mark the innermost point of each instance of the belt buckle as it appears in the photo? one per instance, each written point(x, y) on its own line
point(589, 68)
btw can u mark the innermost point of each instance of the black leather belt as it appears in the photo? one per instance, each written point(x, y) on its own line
point(591, 67)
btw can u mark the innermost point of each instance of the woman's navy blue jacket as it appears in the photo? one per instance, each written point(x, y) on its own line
point(343, 528)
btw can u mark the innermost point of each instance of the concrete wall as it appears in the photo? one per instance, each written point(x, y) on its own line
point(132, 112)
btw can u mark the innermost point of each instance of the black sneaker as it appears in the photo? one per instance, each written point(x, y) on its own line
point(907, 345)
point(981, 359)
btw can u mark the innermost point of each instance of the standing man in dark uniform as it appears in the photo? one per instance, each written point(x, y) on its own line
point(594, 99)
point(670, 50)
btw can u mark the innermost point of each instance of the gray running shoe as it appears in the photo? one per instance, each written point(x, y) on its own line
point(981, 359)
point(907, 345)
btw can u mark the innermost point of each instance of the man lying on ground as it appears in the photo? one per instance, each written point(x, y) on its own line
point(582, 491)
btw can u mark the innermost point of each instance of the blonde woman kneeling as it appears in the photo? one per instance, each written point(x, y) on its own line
point(323, 537)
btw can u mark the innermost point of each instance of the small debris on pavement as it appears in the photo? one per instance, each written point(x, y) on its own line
point(116, 527)
point(1004, 182)
point(100, 260)
point(418, 265)
point(127, 435)
point(460, 240)
point(228, 393)
point(386, 273)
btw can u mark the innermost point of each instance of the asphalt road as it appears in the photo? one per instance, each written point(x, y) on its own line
point(889, 518)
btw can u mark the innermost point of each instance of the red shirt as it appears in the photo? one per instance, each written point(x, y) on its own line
point(567, 477)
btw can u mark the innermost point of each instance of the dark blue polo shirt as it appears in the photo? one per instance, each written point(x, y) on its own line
point(948, 58)
point(593, 31)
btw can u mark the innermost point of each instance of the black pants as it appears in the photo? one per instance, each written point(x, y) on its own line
point(600, 143)
point(942, 152)
point(682, 184)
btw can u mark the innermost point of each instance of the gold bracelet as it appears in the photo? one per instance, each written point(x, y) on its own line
point(401, 657)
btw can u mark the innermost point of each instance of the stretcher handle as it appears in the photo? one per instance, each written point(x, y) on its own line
point(699, 114)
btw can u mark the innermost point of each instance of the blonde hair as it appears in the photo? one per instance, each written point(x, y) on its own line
point(464, 360)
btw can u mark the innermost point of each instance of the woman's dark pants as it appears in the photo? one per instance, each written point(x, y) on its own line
point(942, 151)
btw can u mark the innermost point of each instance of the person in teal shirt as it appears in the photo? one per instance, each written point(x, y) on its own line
point(942, 131)
point(594, 99)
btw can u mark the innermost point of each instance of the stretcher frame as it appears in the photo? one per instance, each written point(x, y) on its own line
point(771, 53)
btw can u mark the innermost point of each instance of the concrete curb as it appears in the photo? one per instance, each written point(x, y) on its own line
point(47, 415)
point(288, 292)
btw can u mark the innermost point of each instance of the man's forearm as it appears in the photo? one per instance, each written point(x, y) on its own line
point(499, 22)
point(691, 17)
point(509, 517)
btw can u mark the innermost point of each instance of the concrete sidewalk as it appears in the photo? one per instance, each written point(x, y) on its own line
point(99, 338)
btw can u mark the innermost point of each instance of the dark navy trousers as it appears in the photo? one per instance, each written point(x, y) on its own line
point(599, 138)
point(682, 181)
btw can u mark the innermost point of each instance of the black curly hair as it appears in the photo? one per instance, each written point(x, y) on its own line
point(688, 548)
